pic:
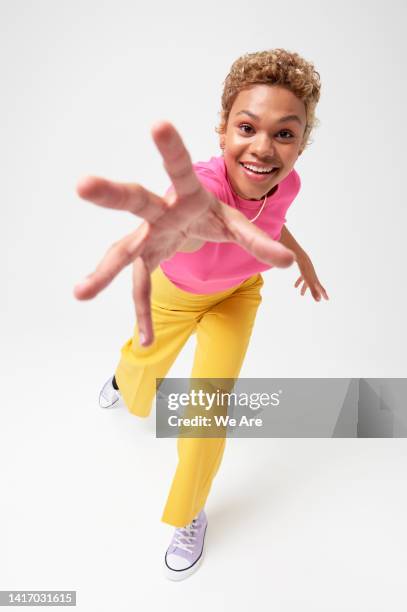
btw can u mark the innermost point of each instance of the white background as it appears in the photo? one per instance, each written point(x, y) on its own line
point(311, 523)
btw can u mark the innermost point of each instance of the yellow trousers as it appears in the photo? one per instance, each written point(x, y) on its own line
point(223, 324)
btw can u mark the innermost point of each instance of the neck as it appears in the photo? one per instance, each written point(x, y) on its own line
point(268, 194)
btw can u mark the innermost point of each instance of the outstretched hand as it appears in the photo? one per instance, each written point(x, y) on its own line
point(309, 279)
point(189, 211)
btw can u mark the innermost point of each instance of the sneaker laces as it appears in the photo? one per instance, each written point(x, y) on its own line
point(184, 537)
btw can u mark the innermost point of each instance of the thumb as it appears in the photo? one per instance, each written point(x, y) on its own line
point(259, 244)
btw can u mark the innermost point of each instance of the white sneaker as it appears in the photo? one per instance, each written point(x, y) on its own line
point(109, 397)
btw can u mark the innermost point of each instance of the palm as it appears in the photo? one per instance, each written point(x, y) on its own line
point(179, 221)
point(187, 212)
point(210, 220)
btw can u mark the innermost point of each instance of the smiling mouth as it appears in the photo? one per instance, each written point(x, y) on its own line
point(260, 174)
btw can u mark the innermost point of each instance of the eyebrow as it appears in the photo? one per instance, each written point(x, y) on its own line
point(281, 120)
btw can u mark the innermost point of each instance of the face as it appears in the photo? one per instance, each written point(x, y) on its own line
point(257, 135)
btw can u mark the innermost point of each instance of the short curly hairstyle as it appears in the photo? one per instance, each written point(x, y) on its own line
point(273, 67)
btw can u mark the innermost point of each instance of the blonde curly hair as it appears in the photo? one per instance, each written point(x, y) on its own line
point(273, 67)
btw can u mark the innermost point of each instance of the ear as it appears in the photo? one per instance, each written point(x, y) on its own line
point(222, 141)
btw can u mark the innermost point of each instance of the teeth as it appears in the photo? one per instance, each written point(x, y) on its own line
point(258, 170)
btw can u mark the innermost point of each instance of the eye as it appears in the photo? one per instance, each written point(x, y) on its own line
point(286, 132)
point(245, 125)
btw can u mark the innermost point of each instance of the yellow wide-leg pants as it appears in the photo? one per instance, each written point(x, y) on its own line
point(223, 324)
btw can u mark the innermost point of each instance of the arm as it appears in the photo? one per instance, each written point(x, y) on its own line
point(288, 240)
point(308, 276)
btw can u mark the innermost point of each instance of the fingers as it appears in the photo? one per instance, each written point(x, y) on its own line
point(117, 257)
point(122, 196)
point(318, 291)
point(324, 293)
point(142, 301)
point(257, 242)
point(177, 160)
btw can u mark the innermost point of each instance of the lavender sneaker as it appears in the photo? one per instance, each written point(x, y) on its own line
point(184, 554)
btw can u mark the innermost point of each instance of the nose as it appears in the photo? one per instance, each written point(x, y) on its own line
point(263, 148)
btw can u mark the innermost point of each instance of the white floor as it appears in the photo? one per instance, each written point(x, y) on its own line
point(310, 525)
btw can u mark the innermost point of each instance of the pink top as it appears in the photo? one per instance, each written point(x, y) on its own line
point(218, 266)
